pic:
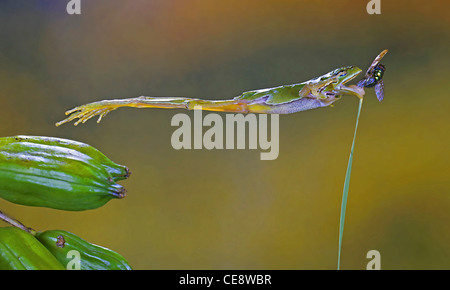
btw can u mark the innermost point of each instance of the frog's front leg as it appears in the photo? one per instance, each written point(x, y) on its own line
point(315, 90)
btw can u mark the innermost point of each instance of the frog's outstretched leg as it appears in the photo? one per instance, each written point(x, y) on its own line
point(101, 108)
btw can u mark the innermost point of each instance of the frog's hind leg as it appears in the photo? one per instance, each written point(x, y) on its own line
point(231, 106)
point(101, 108)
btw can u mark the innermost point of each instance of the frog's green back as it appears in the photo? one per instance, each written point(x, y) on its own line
point(277, 95)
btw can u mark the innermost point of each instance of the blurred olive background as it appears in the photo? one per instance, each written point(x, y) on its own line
point(227, 209)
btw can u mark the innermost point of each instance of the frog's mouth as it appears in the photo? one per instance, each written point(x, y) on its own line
point(353, 90)
point(352, 72)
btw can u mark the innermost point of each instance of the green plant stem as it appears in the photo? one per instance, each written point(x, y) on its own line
point(346, 186)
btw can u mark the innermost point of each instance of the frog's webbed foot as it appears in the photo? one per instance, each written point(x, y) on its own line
point(86, 112)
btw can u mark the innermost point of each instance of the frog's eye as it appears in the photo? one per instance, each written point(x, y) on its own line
point(342, 73)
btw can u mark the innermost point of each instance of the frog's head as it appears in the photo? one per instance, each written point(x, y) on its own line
point(345, 74)
point(340, 77)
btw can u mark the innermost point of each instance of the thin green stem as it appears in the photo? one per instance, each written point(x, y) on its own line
point(346, 186)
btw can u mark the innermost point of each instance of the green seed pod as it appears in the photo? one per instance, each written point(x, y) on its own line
point(92, 257)
point(118, 172)
point(57, 173)
point(20, 250)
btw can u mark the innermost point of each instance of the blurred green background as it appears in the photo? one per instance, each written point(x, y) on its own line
point(227, 209)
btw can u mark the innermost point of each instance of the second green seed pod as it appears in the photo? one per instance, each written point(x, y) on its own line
point(57, 173)
point(20, 250)
point(91, 257)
